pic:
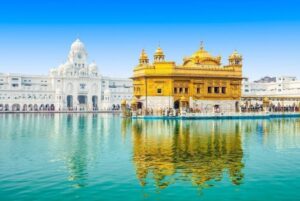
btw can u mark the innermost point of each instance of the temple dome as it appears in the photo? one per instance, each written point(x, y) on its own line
point(235, 55)
point(202, 57)
point(159, 52)
point(93, 67)
point(202, 53)
point(143, 55)
point(77, 45)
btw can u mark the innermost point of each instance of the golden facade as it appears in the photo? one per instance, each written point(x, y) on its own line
point(201, 81)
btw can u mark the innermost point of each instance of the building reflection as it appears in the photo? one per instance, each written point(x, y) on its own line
point(201, 152)
point(277, 133)
point(78, 137)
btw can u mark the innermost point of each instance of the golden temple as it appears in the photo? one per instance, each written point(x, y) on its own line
point(201, 83)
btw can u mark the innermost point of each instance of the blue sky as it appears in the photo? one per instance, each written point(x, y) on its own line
point(36, 35)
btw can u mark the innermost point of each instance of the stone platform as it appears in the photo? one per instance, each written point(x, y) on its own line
point(194, 116)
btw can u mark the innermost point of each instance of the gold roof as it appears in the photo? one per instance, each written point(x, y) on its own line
point(183, 99)
point(202, 57)
point(202, 53)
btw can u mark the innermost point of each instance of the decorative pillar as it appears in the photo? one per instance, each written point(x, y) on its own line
point(134, 107)
point(266, 103)
point(183, 104)
point(123, 108)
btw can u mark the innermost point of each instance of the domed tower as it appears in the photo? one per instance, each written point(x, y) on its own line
point(144, 58)
point(159, 55)
point(235, 59)
point(93, 69)
point(78, 55)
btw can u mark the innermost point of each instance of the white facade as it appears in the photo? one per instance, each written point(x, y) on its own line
point(74, 85)
point(114, 90)
point(282, 90)
point(283, 85)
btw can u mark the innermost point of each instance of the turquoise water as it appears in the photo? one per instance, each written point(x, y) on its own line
point(104, 157)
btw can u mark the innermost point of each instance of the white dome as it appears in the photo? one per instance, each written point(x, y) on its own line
point(77, 45)
point(93, 67)
point(106, 91)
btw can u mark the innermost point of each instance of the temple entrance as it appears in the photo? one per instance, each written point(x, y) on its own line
point(139, 105)
point(6, 107)
point(82, 100)
point(15, 107)
point(176, 105)
point(70, 102)
point(95, 102)
point(42, 107)
point(217, 109)
point(24, 107)
point(237, 106)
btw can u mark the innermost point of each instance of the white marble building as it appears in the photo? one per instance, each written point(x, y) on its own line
point(114, 90)
point(281, 90)
point(74, 85)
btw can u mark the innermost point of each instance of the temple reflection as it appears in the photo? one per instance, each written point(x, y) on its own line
point(200, 152)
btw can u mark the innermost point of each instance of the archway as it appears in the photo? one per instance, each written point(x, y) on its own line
point(217, 108)
point(30, 107)
point(6, 107)
point(15, 107)
point(35, 107)
point(237, 106)
point(82, 100)
point(176, 104)
point(70, 102)
point(52, 107)
point(139, 105)
point(47, 107)
point(1, 107)
point(95, 102)
point(25, 107)
point(42, 107)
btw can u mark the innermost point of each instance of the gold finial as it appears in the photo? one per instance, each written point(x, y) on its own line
point(201, 45)
point(143, 54)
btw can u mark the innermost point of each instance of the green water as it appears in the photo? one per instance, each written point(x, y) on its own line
point(104, 157)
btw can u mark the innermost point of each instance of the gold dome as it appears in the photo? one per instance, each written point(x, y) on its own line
point(235, 55)
point(134, 101)
point(143, 55)
point(202, 53)
point(266, 100)
point(202, 57)
point(123, 102)
point(159, 52)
